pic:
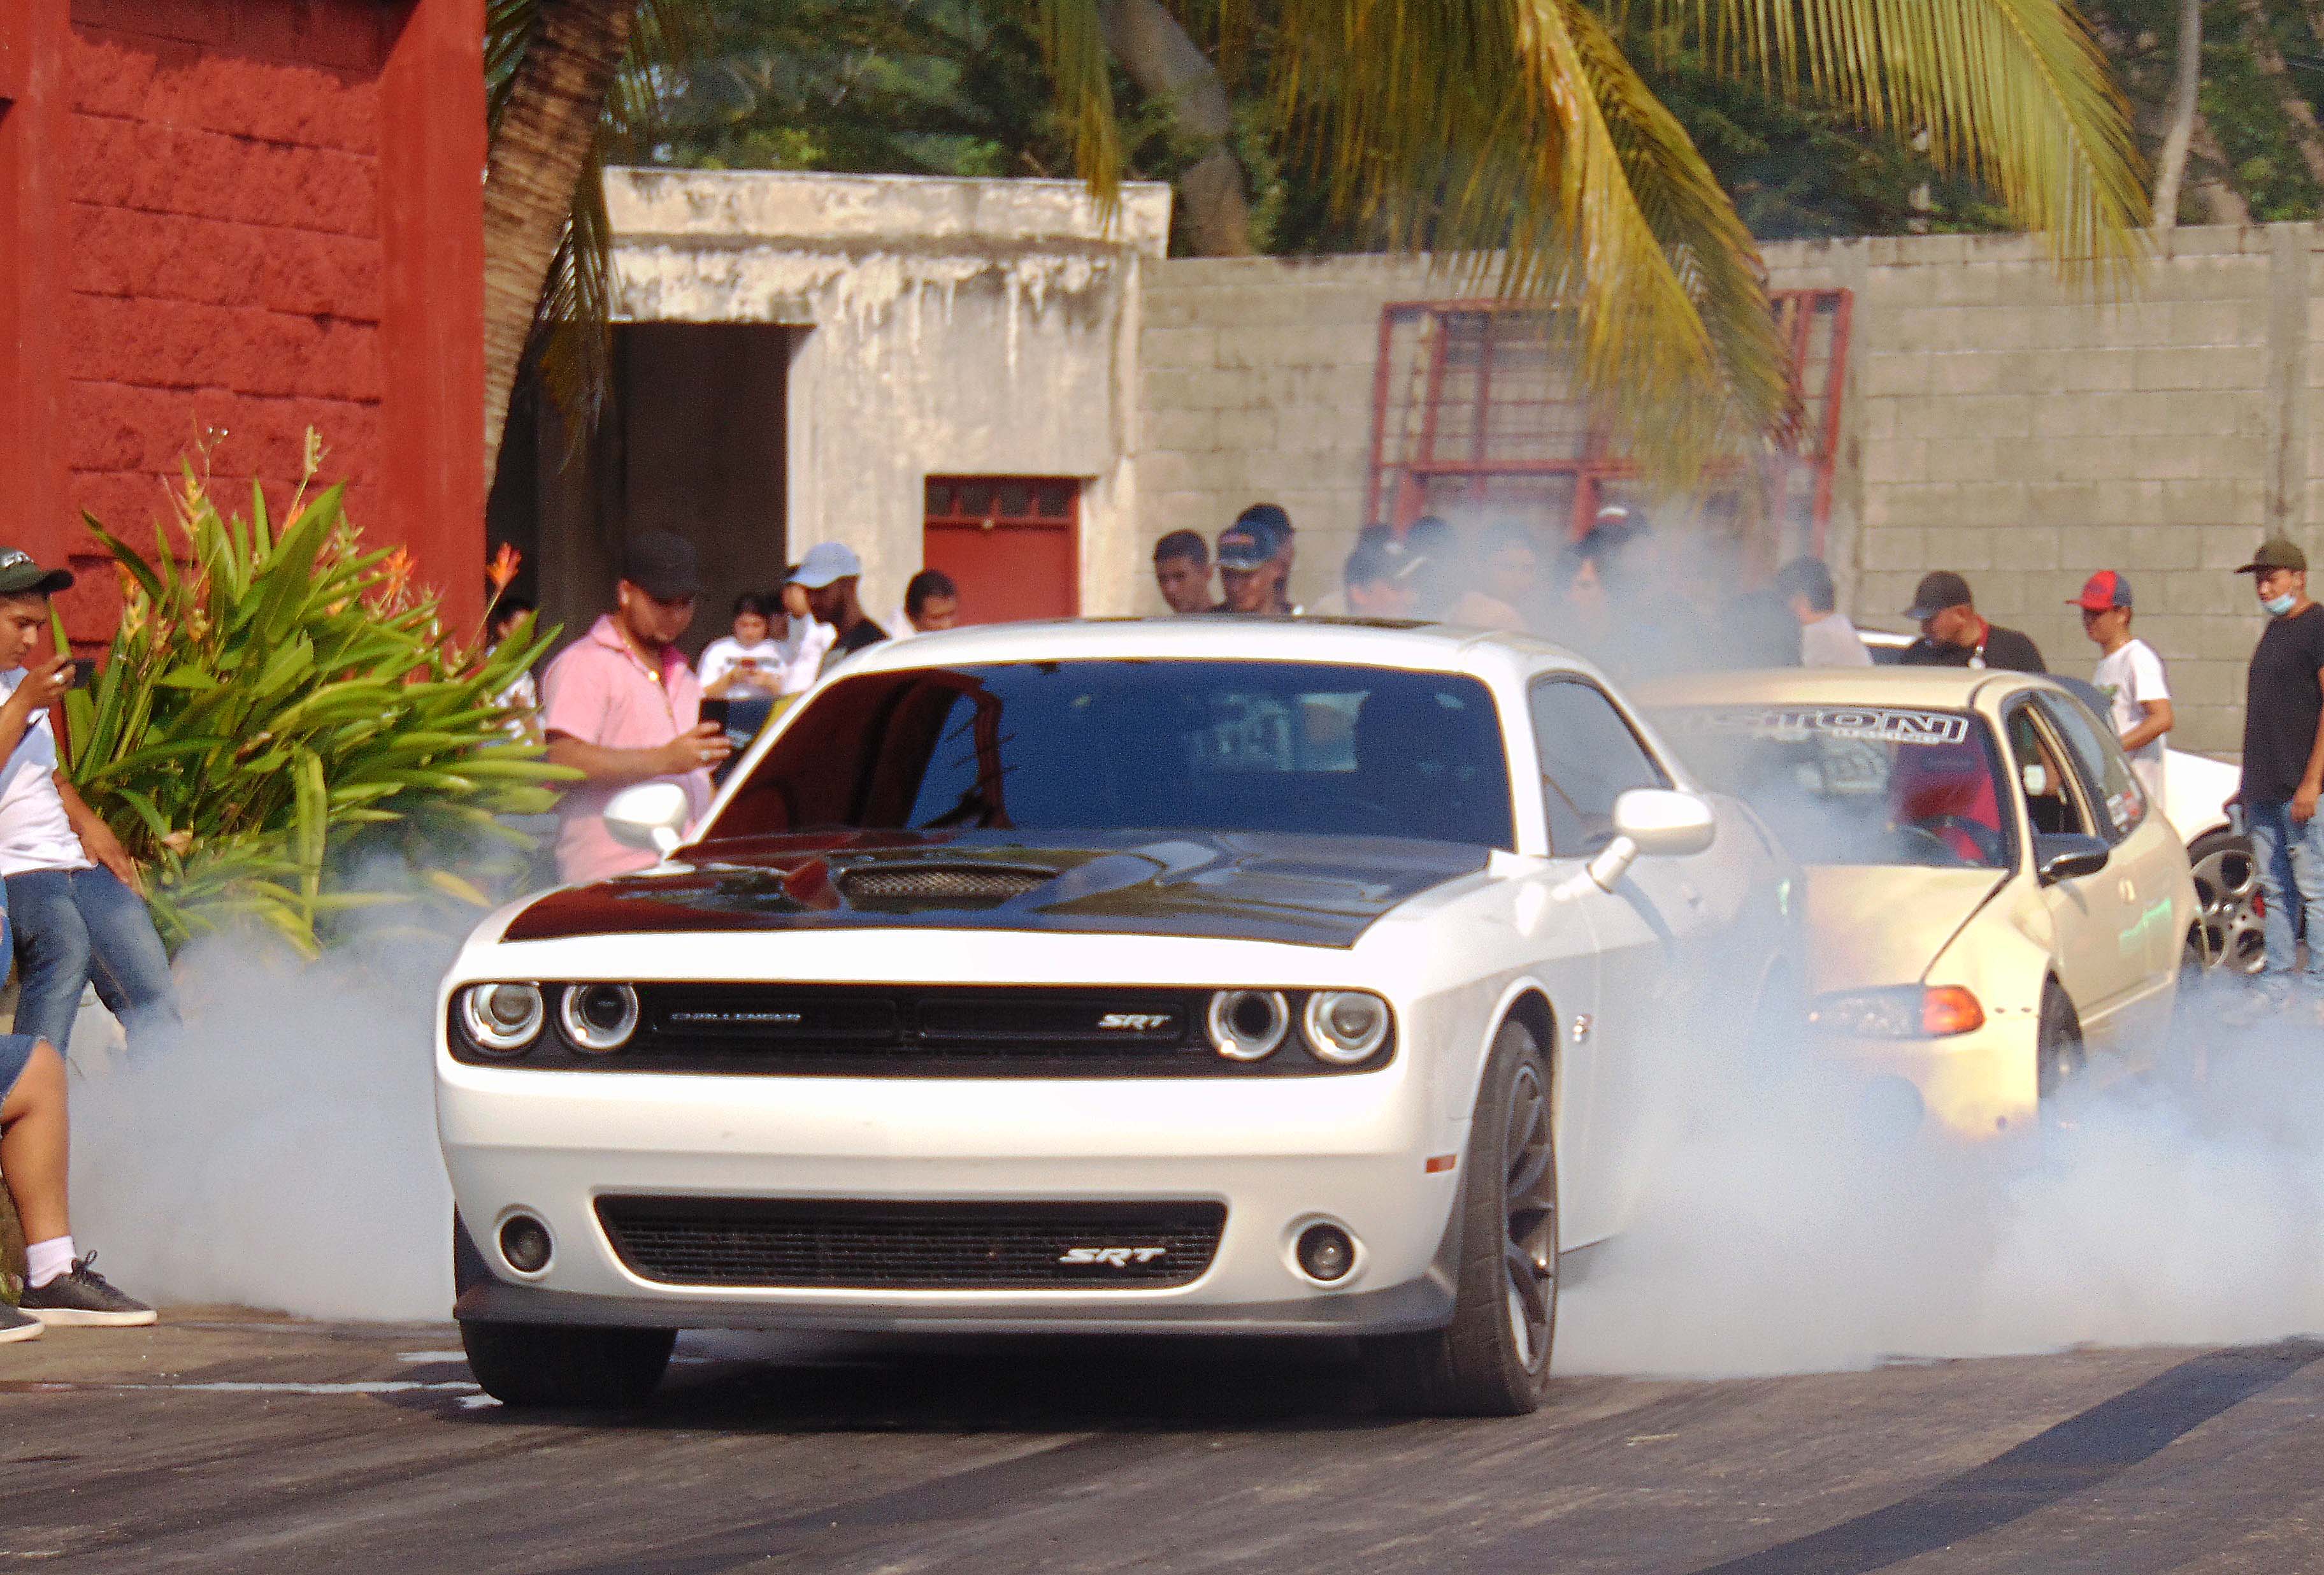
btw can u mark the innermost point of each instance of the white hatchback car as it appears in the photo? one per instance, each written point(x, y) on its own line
point(1992, 905)
point(1190, 976)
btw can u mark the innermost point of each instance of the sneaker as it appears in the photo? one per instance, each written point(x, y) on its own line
point(81, 1298)
point(16, 1326)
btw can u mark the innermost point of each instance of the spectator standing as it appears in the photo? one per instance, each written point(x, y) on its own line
point(1826, 638)
point(1953, 634)
point(1182, 571)
point(75, 898)
point(621, 706)
point(1379, 578)
point(1513, 575)
point(830, 574)
point(2131, 677)
point(931, 602)
point(1249, 571)
point(2284, 764)
point(1275, 521)
point(806, 638)
point(747, 661)
point(59, 1287)
point(1442, 589)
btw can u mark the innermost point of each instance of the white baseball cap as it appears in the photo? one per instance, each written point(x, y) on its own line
point(825, 562)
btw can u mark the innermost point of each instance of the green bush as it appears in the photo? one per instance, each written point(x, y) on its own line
point(282, 710)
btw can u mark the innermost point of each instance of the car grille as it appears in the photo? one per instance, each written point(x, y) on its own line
point(877, 1030)
point(912, 1247)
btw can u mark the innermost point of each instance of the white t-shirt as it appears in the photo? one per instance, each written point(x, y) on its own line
point(2129, 678)
point(34, 832)
point(723, 655)
point(803, 646)
point(1832, 641)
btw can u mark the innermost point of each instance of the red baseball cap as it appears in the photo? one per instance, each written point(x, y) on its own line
point(2102, 591)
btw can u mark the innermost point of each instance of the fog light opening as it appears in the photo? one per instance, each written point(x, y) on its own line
point(1325, 1253)
point(525, 1244)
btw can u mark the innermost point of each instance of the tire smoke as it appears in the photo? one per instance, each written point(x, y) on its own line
point(279, 1151)
point(1788, 1226)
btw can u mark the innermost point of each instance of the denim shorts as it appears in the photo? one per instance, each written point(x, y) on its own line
point(15, 1054)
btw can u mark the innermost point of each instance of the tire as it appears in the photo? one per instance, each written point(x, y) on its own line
point(1492, 1360)
point(2058, 1052)
point(566, 1365)
point(2227, 889)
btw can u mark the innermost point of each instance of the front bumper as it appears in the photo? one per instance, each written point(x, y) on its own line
point(1279, 1154)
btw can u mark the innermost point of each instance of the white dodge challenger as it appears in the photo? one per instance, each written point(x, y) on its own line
point(1199, 976)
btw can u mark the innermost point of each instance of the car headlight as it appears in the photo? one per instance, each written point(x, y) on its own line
point(1907, 1011)
point(1345, 1025)
point(502, 1019)
point(1248, 1025)
point(599, 1018)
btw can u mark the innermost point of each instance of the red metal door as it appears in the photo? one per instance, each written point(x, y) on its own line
point(1011, 544)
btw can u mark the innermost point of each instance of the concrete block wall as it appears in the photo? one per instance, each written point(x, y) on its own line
point(1999, 422)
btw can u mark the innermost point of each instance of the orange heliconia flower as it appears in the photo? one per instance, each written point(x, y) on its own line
point(503, 566)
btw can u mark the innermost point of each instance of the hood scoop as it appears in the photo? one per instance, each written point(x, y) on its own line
point(903, 888)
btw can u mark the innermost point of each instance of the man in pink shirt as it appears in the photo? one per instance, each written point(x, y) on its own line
point(621, 706)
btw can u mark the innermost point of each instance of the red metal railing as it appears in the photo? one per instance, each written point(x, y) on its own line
point(1474, 410)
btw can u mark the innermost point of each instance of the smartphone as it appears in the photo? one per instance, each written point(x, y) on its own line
point(716, 711)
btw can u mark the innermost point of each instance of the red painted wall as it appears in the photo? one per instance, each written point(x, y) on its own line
point(268, 221)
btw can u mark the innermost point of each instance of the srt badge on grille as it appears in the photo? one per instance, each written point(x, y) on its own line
point(1111, 1256)
point(1134, 1022)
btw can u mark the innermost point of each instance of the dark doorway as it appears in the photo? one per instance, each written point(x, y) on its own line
point(693, 440)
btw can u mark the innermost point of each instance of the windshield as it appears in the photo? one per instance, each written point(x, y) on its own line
point(1139, 745)
point(1855, 785)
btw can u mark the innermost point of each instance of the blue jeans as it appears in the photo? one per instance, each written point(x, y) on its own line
point(2290, 861)
point(76, 927)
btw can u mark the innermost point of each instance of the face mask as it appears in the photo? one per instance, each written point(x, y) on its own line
point(2277, 606)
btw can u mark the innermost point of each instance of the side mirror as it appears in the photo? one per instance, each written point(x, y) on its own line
point(652, 815)
point(2067, 856)
point(1664, 824)
point(1649, 823)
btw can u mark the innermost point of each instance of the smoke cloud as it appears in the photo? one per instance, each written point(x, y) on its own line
point(1788, 1226)
point(280, 1151)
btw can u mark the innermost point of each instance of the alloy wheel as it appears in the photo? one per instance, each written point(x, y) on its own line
point(2227, 888)
point(1530, 1214)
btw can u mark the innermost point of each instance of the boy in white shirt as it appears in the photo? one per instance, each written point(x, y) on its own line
point(2131, 677)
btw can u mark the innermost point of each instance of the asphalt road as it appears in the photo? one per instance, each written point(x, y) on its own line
point(222, 1440)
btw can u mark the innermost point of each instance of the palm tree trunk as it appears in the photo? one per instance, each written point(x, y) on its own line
point(2171, 169)
point(539, 146)
point(1170, 69)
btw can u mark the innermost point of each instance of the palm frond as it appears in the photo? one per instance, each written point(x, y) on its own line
point(1073, 43)
point(1514, 129)
point(2015, 93)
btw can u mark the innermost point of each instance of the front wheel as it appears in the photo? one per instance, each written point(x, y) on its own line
point(566, 1365)
point(1493, 1359)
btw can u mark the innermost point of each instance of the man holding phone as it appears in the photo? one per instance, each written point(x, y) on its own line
point(622, 706)
point(76, 901)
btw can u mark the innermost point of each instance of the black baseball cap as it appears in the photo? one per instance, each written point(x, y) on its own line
point(663, 566)
point(1936, 592)
point(20, 575)
point(1245, 546)
point(2276, 553)
point(1376, 560)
